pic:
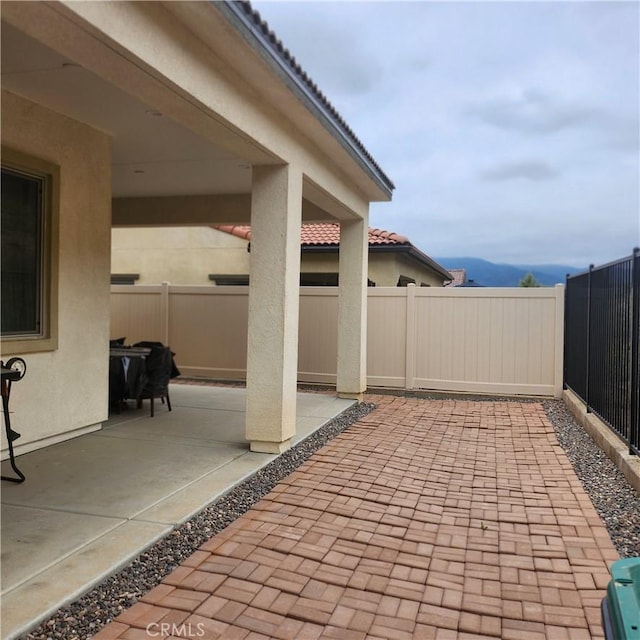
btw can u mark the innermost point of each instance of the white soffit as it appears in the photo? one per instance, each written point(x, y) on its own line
point(152, 155)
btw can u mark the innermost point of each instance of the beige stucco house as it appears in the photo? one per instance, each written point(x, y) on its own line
point(220, 255)
point(165, 114)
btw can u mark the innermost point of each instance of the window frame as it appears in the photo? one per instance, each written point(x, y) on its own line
point(47, 338)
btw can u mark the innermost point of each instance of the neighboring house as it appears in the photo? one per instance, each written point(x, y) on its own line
point(459, 277)
point(164, 114)
point(221, 255)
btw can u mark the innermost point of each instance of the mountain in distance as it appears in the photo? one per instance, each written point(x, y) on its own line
point(491, 274)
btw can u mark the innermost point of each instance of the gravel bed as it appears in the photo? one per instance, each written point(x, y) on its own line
point(615, 500)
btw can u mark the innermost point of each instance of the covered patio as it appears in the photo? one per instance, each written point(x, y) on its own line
point(167, 114)
point(91, 504)
point(162, 114)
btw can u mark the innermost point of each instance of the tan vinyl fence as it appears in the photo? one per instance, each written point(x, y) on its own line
point(478, 340)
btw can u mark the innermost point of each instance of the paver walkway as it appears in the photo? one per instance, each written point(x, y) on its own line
point(440, 519)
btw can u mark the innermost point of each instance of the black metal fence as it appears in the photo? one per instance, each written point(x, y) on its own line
point(602, 344)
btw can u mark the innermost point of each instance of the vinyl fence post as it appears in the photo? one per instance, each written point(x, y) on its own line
point(559, 341)
point(410, 342)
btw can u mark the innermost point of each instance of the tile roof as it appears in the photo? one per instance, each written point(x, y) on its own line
point(243, 8)
point(317, 236)
point(327, 234)
point(240, 230)
point(459, 277)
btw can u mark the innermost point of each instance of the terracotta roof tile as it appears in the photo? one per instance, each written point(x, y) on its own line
point(459, 277)
point(321, 234)
point(240, 230)
point(380, 236)
point(317, 234)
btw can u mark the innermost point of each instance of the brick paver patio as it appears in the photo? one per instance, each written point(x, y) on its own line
point(443, 519)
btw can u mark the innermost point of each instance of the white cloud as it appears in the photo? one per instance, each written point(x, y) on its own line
point(509, 128)
point(532, 111)
point(527, 170)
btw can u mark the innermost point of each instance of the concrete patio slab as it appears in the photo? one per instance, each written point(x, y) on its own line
point(49, 538)
point(197, 426)
point(91, 504)
point(131, 473)
point(185, 503)
point(67, 579)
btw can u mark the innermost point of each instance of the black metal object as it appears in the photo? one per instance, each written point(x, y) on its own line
point(160, 368)
point(11, 372)
point(149, 369)
point(126, 382)
point(634, 434)
point(602, 351)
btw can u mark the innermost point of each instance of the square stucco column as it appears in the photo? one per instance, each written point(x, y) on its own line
point(352, 309)
point(272, 357)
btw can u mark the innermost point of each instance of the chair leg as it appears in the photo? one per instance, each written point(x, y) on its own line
point(168, 401)
point(152, 406)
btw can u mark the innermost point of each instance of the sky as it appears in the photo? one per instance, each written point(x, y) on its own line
point(510, 129)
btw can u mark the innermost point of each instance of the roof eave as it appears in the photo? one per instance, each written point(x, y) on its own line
point(416, 254)
point(238, 13)
point(319, 248)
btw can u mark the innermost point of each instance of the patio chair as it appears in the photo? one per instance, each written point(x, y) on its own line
point(127, 375)
point(159, 371)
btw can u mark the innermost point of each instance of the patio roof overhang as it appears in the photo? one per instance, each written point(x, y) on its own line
point(176, 113)
point(171, 137)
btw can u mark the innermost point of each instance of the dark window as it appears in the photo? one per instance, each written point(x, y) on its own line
point(306, 280)
point(403, 281)
point(229, 280)
point(124, 278)
point(23, 257)
point(318, 279)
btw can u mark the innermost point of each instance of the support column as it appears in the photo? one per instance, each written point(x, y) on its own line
point(352, 309)
point(272, 356)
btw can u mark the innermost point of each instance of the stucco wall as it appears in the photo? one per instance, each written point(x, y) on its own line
point(65, 391)
point(385, 268)
point(187, 255)
point(180, 255)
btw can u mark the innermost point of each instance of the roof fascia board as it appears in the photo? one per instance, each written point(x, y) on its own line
point(320, 248)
